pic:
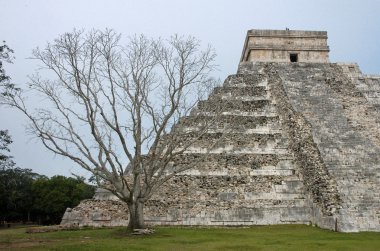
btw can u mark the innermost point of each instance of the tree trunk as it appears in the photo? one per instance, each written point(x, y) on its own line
point(136, 215)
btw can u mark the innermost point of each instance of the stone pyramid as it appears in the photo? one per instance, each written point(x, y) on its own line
point(303, 146)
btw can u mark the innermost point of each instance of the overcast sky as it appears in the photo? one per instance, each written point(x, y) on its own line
point(353, 29)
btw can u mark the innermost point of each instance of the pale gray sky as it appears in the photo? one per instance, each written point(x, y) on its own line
point(353, 28)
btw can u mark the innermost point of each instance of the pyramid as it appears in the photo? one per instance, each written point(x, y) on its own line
point(303, 146)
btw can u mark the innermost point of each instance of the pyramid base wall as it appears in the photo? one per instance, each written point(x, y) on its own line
point(267, 179)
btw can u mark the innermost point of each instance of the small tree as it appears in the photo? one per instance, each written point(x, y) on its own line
point(52, 196)
point(111, 109)
point(16, 197)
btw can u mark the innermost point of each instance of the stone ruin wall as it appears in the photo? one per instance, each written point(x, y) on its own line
point(304, 149)
point(248, 178)
point(345, 126)
point(105, 211)
point(303, 146)
point(277, 45)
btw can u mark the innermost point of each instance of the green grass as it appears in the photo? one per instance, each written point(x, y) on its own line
point(280, 237)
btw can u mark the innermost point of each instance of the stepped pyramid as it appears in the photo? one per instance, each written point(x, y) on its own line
point(303, 146)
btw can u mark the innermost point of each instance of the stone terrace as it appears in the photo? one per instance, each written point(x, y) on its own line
point(297, 142)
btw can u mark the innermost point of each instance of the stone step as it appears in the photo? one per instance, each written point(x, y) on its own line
point(337, 112)
point(236, 163)
point(270, 112)
point(273, 197)
point(259, 130)
point(242, 143)
point(237, 105)
point(246, 200)
point(216, 140)
point(232, 122)
point(263, 83)
point(251, 91)
point(239, 192)
point(249, 134)
point(246, 80)
point(248, 172)
point(295, 186)
point(227, 97)
point(237, 150)
point(276, 172)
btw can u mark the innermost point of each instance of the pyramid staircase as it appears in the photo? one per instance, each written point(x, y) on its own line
point(339, 104)
point(248, 177)
point(295, 143)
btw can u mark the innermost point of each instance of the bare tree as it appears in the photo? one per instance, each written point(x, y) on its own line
point(112, 109)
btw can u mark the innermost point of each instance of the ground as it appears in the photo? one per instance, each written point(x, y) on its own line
point(279, 237)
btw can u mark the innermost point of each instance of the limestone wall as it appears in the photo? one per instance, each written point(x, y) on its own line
point(259, 54)
point(248, 177)
point(277, 45)
point(97, 213)
point(303, 146)
point(345, 128)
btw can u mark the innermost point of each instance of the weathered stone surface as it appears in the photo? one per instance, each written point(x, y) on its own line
point(144, 231)
point(302, 146)
point(97, 213)
point(285, 45)
point(344, 128)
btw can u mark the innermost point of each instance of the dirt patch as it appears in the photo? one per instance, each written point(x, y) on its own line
point(51, 229)
point(24, 243)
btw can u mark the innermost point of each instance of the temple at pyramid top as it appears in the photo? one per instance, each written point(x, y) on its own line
point(285, 46)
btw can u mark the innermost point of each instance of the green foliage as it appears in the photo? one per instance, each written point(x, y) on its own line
point(16, 198)
point(23, 192)
point(52, 196)
point(280, 237)
point(25, 195)
point(5, 160)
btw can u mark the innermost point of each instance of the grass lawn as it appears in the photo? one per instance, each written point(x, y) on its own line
point(279, 237)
